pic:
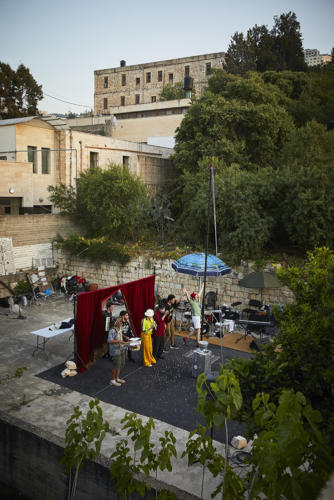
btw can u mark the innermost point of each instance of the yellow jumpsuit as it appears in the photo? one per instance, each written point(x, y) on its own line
point(146, 341)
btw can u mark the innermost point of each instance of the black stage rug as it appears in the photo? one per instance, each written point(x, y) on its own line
point(166, 391)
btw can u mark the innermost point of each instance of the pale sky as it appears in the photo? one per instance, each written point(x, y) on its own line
point(62, 42)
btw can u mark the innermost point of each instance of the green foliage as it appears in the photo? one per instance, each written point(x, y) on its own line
point(124, 468)
point(84, 436)
point(110, 203)
point(171, 92)
point(273, 166)
point(19, 92)
point(94, 249)
point(291, 455)
point(305, 343)
point(279, 49)
point(22, 287)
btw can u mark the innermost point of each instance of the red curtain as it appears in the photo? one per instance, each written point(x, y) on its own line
point(89, 328)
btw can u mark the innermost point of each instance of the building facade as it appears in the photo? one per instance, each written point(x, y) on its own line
point(314, 58)
point(143, 83)
point(35, 154)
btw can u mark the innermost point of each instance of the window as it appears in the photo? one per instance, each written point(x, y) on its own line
point(170, 77)
point(122, 100)
point(208, 69)
point(137, 81)
point(4, 158)
point(105, 103)
point(32, 157)
point(45, 160)
point(187, 71)
point(93, 159)
point(105, 82)
point(123, 80)
point(137, 98)
point(153, 98)
point(159, 76)
point(148, 77)
point(126, 161)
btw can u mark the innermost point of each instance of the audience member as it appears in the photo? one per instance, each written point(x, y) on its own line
point(159, 333)
point(117, 348)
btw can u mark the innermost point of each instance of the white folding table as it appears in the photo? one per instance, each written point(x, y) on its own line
point(47, 333)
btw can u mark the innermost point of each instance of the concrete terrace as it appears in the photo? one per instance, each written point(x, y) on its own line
point(40, 408)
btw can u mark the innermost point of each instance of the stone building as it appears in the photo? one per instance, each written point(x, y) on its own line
point(142, 83)
point(314, 58)
point(36, 153)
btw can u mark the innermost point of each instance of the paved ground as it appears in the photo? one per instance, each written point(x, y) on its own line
point(47, 401)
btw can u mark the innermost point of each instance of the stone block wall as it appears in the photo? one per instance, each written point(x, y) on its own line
point(167, 280)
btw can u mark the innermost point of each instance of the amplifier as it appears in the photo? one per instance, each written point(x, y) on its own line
point(201, 362)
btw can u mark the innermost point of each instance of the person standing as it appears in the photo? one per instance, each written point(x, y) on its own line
point(194, 301)
point(108, 322)
point(147, 327)
point(171, 304)
point(159, 333)
point(126, 331)
point(117, 348)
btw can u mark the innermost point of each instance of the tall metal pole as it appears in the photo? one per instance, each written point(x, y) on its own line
point(206, 249)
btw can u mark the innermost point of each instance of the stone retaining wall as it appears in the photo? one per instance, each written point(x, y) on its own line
point(167, 280)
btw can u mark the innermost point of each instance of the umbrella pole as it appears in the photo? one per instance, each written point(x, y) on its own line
point(206, 249)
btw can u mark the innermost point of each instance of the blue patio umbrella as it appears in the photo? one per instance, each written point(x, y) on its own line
point(194, 264)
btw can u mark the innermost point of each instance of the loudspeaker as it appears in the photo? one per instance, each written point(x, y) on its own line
point(188, 83)
point(201, 362)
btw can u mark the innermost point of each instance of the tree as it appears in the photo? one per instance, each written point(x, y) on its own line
point(171, 92)
point(108, 202)
point(19, 92)
point(262, 50)
point(288, 42)
point(306, 185)
point(301, 358)
point(240, 55)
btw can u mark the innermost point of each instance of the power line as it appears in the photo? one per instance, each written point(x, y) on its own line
point(68, 102)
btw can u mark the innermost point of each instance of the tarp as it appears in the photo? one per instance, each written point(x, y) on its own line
point(89, 327)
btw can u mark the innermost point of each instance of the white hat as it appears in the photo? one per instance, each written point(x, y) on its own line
point(149, 313)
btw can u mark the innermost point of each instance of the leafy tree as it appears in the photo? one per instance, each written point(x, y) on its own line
point(242, 131)
point(306, 185)
point(261, 50)
point(107, 202)
point(288, 43)
point(301, 358)
point(240, 56)
point(171, 92)
point(19, 92)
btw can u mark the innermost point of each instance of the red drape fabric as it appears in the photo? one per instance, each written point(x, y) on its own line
point(89, 328)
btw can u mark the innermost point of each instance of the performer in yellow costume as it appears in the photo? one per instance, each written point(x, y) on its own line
point(147, 326)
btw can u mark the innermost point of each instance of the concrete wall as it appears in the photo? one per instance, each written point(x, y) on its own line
point(7, 142)
point(31, 237)
point(167, 280)
point(30, 464)
point(113, 150)
point(140, 129)
point(146, 90)
point(19, 176)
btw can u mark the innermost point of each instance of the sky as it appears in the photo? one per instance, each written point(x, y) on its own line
point(62, 42)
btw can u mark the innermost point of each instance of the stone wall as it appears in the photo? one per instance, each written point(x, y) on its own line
point(33, 229)
point(167, 280)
